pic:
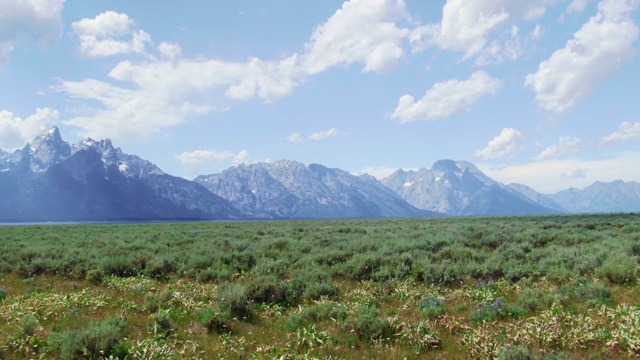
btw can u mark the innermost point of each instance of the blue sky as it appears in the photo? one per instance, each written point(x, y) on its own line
point(541, 92)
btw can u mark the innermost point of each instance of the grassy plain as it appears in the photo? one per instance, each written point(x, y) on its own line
point(543, 287)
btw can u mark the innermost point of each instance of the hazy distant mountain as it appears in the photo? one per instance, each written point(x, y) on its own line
point(50, 180)
point(537, 197)
point(460, 188)
point(288, 189)
point(613, 196)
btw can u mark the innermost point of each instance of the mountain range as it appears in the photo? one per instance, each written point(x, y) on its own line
point(288, 189)
point(51, 180)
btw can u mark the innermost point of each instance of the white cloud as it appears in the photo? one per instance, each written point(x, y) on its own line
point(475, 28)
point(576, 173)
point(170, 50)
point(537, 32)
point(626, 131)
point(103, 35)
point(15, 132)
point(164, 93)
point(38, 21)
point(200, 162)
point(557, 172)
point(361, 31)
point(295, 138)
point(317, 136)
point(566, 145)
point(577, 5)
point(446, 98)
point(242, 157)
point(165, 89)
point(322, 135)
point(597, 51)
point(509, 141)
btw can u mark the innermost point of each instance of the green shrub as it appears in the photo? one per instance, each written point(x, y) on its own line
point(215, 320)
point(94, 341)
point(233, 298)
point(162, 323)
point(443, 273)
point(516, 353)
point(267, 289)
point(368, 327)
point(28, 326)
point(3, 293)
point(95, 276)
point(158, 268)
point(118, 266)
point(496, 309)
point(319, 290)
point(619, 268)
point(155, 301)
point(585, 290)
point(214, 274)
point(432, 306)
point(315, 314)
point(531, 299)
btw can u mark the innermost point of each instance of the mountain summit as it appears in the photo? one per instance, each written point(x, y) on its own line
point(459, 188)
point(50, 180)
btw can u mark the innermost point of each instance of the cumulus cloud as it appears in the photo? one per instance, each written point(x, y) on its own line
point(110, 33)
point(167, 92)
point(199, 162)
point(322, 135)
point(170, 50)
point(295, 138)
point(566, 145)
point(317, 136)
point(165, 88)
point(361, 31)
point(577, 5)
point(22, 21)
point(597, 51)
point(477, 28)
point(446, 98)
point(626, 131)
point(509, 141)
point(576, 173)
point(15, 132)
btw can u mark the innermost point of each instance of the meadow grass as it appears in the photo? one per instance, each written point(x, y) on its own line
point(540, 287)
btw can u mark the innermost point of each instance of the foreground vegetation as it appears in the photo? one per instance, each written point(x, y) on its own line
point(556, 287)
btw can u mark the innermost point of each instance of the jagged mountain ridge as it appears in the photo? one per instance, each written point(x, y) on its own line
point(288, 189)
point(459, 188)
point(50, 180)
point(614, 196)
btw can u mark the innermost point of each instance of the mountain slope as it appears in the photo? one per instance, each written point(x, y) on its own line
point(288, 190)
point(50, 180)
point(459, 188)
point(615, 196)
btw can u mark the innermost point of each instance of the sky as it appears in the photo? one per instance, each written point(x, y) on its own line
point(539, 92)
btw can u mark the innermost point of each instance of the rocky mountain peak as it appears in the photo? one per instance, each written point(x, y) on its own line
point(47, 149)
point(446, 166)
